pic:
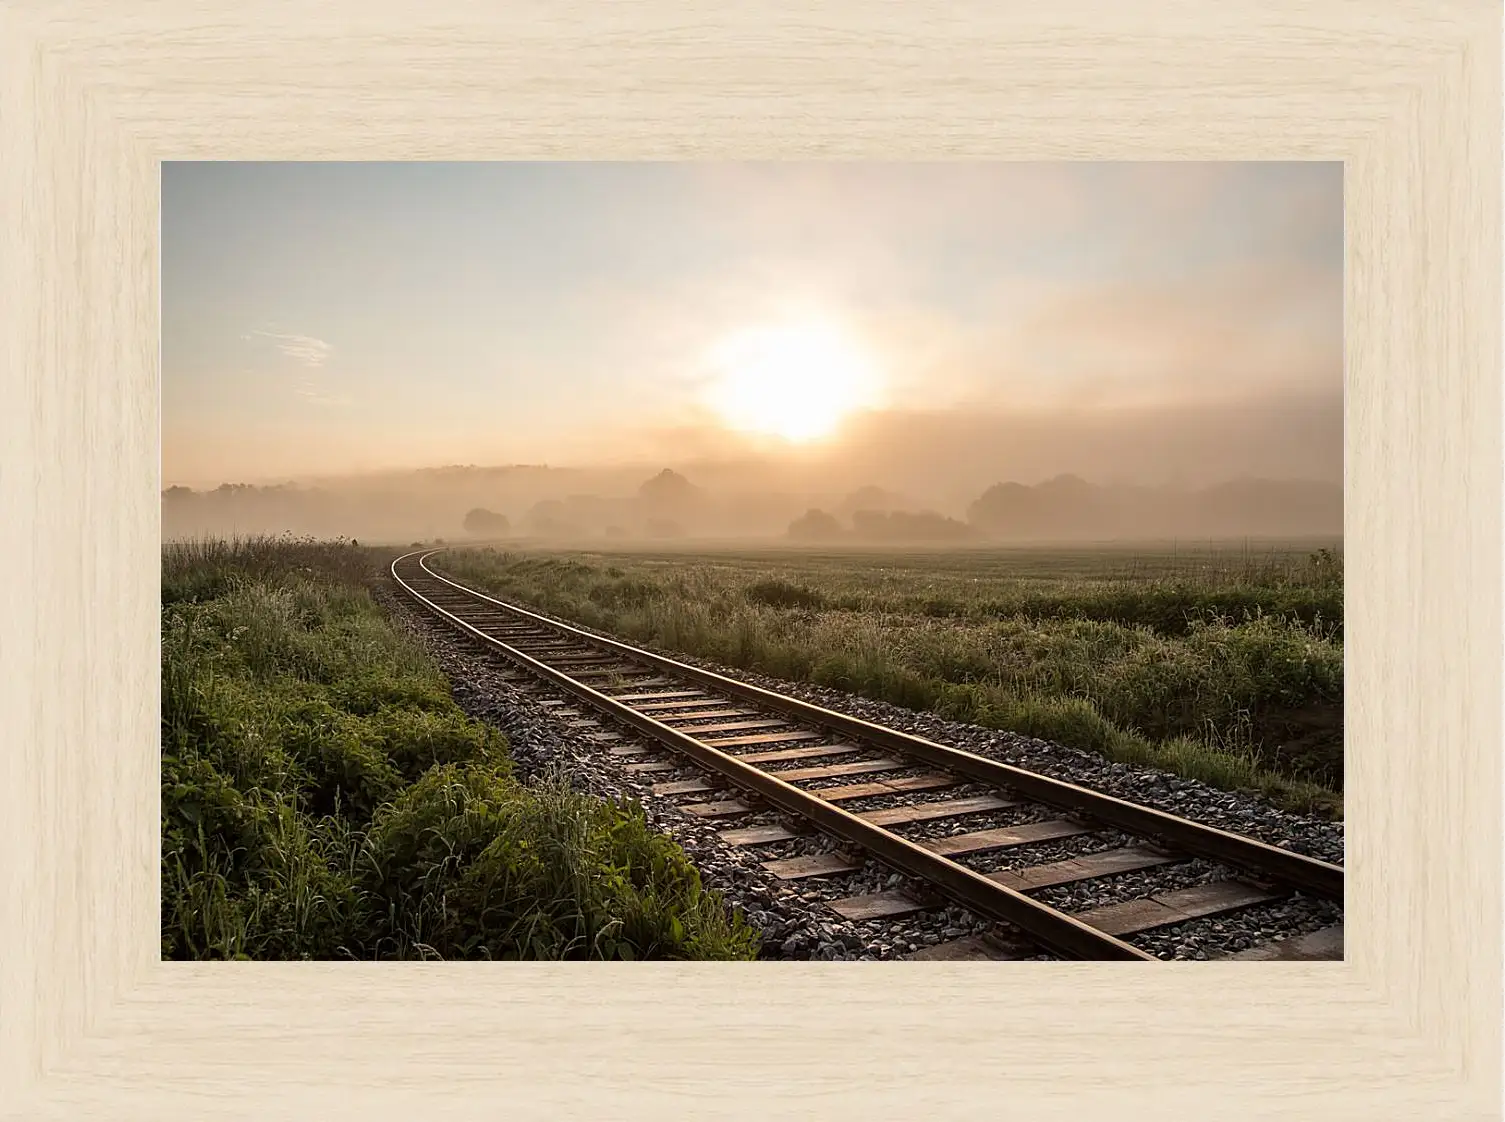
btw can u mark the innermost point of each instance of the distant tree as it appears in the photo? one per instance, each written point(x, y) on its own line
point(872, 498)
point(1064, 506)
point(669, 502)
point(483, 523)
point(664, 528)
point(1065, 483)
point(815, 525)
point(927, 526)
point(589, 513)
point(1007, 508)
point(546, 518)
point(546, 509)
point(668, 489)
point(907, 526)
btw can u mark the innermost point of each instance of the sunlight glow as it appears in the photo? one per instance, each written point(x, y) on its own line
point(794, 381)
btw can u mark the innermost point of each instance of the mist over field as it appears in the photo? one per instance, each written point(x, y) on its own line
point(1263, 468)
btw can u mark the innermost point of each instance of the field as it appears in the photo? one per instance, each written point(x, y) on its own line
point(1223, 663)
point(323, 796)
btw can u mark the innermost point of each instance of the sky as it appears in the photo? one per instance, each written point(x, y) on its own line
point(322, 319)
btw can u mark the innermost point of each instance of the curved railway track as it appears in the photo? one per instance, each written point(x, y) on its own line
point(774, 752)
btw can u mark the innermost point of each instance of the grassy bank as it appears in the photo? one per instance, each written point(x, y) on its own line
point(323, 796)
point(1219, 665)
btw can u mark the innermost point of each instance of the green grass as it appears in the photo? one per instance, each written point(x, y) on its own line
point(323, 796)
point(1221, 664)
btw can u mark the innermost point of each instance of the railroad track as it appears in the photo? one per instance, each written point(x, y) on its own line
point(823, 771)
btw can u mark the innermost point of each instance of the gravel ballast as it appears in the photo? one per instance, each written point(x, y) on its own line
point(789, 914)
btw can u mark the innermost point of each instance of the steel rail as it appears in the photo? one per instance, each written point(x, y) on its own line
point(1321, 878)
point(1053, 929)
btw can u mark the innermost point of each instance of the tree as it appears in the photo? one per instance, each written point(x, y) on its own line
point(814, 526)
point(872, 498)
point(1007, 509)
point(668, 489)
point(483, 523)
point(664, 528)
point(1066, 506)
point(908, 526)
point(546, 519)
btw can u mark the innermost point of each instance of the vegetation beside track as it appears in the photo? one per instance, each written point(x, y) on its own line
point(323, 796)
point(1220, 664)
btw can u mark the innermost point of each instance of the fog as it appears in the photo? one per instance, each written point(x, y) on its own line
point(1260, 465)
point(881, 344)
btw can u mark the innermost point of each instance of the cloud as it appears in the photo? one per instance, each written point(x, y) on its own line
point(301, 348)
point(309, 352)
point(313, 394)
point(1264, 323)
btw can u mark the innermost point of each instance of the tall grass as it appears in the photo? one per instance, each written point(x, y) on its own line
point(1231, 675)
point(323, 796)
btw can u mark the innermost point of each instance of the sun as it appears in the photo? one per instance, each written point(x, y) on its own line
point(796, 381)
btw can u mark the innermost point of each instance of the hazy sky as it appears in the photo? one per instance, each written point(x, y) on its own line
point(320, 318)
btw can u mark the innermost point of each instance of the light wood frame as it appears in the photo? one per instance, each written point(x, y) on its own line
point(94, 95)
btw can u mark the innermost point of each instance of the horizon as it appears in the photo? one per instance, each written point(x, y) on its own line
point(313, 482)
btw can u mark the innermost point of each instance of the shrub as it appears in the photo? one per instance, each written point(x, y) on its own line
point(468, 865)
point(483, 523)
point(778, 593)
point(324, 797)
point(1136, 659)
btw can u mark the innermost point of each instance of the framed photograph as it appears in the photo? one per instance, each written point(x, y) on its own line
point(931, 463)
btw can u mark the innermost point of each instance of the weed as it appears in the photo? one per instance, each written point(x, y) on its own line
point(323, 796)
point(1221, 666)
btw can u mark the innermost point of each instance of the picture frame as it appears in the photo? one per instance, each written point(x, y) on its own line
point(93, 98)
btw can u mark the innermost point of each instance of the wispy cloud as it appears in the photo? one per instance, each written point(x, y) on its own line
point(314, 395)
point(301, 348)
